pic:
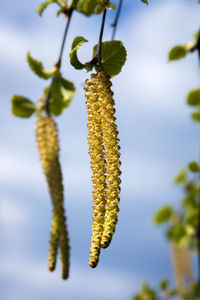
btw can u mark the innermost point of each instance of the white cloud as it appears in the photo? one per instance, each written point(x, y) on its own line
point(33, 278)
point(148, 83)
point(11, 213)
point(19, 169)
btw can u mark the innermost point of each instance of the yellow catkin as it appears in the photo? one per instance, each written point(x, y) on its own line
point(112, 154)
point(48, 146)
point(64, 253)
point(182, 267)
point(96, 151)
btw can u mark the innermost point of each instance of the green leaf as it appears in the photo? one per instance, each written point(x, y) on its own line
point(164, 284)
point(177, 52)
point(86, 7)
point(37, 67)
point(136, 297)
point(181, 177)
point(77, 42)
point(61, 95)
point(40, 9)
point(196, 116)
point(193, 97)
point(192, 218)
point(163, 215)
point(104, 4)
point(189, 203)
point(147, 292)
point(111, 6)
point(193, 167)
point(177, 233)
point(196, 34)
point(22, 107)
point(113, 56)
point(145, 1)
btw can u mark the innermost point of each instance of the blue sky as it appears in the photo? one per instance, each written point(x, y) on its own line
point(157, 138)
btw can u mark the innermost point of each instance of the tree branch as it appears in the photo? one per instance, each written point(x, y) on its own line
point(98, 54)
point(198, 45)
point(114, 25)
point(59, 61)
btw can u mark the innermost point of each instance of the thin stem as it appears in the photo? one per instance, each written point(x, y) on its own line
point(98, 54)
point(198, 45)
point(114, 25)
point(58, 64)
point(59, 61)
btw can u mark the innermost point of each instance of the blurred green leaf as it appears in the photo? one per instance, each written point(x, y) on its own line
point(136, 297)
point(193, 97)
point(113, 56)
point(177, 233)
point(77, 42)
point(196, 116)
point(181, 177)
point(164, 284)
point(177, 52)
point(192, 218)
point(22, 107)
point(193, 167)
point(189, 203)
point(104, 4)
point(196, 34)
point(40, 9)
point(61, 95)
point(37, 67)
point(87, 7)
point(110, 6)
point(163, 215)
point(145, 1)
point(147, 292)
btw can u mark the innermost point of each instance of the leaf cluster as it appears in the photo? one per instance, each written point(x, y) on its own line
point(148, 293)
point(164, 292)
point(181, 224)
point(180, 51)
point(86, 7)
point(113, 56)
point(62, 92)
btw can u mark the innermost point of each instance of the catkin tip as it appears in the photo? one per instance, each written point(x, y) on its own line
point(51, 266)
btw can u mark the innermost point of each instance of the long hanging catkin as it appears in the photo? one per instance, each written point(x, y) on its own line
point(96, 151)
point(182, 267)
point(48, 146)
point(112, 154)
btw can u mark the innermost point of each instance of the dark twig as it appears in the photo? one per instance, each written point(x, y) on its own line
point(59, 61)
point(98, 54)
point(198, 45)
point(114, 25)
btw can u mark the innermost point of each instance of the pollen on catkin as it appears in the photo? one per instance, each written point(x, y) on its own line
point(97, 158)
point(48, 146)
point(112, 155)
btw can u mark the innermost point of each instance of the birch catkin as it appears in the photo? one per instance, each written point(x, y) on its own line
point(96, 151)
point(105, 163)
point(112, 154)
point(182, 267)
point(48, 146)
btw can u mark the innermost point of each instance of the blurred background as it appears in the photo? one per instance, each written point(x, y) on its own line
point(157, 138)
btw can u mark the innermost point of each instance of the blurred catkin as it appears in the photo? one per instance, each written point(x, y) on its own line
point(96, 151)
point(182, 267)
point(48, 146)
